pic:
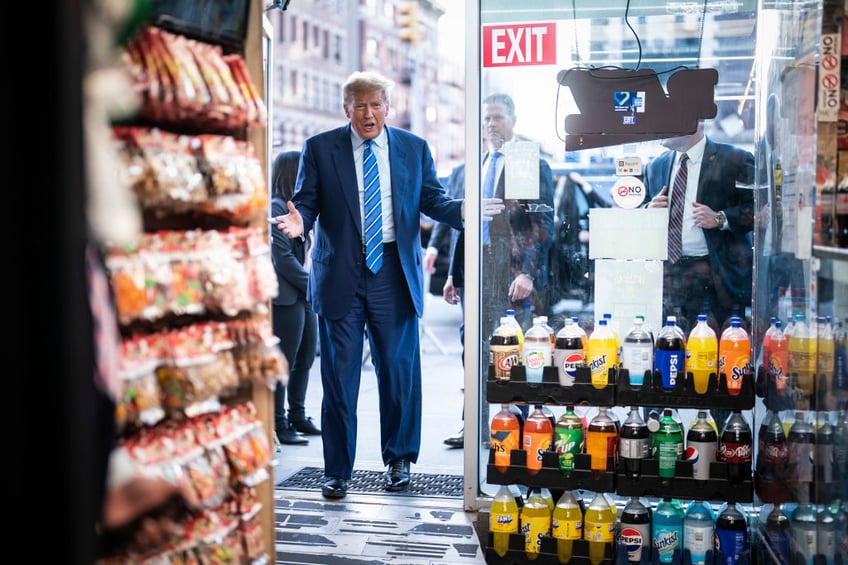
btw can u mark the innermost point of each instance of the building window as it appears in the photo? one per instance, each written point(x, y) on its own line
point(325, 46)
point(305, 36)
point(293, 29)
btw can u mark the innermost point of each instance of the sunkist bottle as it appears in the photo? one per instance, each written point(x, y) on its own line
point(698, 528)
point(538, 436)
point(670, 355)
point(701, 446)
point(505, 436)
point(568, 439)
point(503, 519)
point(598, 528)
point(637, 352)
point(731, 535)
point(601, 354)
point(519, 331)
point(601, 440)
point(567, 525)
point(734, 355)
point(776, 356)
point(569, 352)
point(735, 447)
point(504, 350)
point(537, 351)
point(635, 529)
point(802, 355)
point(667, 531)
point(535, 517)
point(667, 444)
point(701, 354)
point(634, 443)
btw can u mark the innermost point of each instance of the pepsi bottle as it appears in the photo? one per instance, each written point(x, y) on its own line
point(701, 447)
point(731, 535)
point(635, 531)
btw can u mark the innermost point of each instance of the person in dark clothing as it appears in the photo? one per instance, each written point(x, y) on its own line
point(295, 324)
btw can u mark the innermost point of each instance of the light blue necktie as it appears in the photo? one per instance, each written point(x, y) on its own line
point(373, 210)
point(489, 189)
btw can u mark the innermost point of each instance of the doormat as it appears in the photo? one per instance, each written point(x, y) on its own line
point(368, 482)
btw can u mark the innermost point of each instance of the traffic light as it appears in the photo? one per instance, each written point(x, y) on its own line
point(407, 21)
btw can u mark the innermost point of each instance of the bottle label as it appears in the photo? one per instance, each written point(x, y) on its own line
point(667, 453)
point(700, 455)
point(634, 537)
point(568, 528)
point(536, 444)
point(738, 453)
point(639, 448)
point(670, 364)
point(534, 528)
point(732, 544)
point(569, 441)
point(599, 531)
point(566, 362)
point(534, 363)
point(503, 442)
point(503, 359)
point(506, 522)
point(698, 539)
point(666, 540)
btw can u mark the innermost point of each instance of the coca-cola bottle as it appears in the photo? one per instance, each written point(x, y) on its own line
point(735, 447)
point(772, 457)
point(634, 443)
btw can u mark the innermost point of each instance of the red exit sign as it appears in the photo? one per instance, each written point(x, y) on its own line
point(519, 45)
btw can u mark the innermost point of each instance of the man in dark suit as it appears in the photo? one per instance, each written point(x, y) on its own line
point(514, 268)
point(718, 218)
point(350, 297)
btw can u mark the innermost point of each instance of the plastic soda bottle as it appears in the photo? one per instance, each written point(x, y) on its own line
point(569, 352)
point(777, 534)
point(802, 527)
point(731, 535)
point(734, 355)
point(667, 531)
point(503, 519)
point(583, 335)
point(543, 321)
point(504, 350)
point(601, 354)
point(537, 351)
point(799, 442)
point(776, 355)
point(670, 356)
point(635, 531)
point(634, 442)
point(601, 440)
point(598, 528)
point(538, 436)
point(802, 355)
point(568, 439)
point(519, 331)
point(505, 436)
point(701, 446)
point(566, 525)
point(637, 352)
point(698, 529)
point(701, 354)
point(535, 522)
point(613, 325)
point(825, 356)
point(736, 446)
point(667, 444)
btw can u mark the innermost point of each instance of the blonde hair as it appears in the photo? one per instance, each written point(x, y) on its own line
point(361, 82)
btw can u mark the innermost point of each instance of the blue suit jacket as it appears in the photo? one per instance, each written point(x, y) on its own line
point(327, 196)
point(730, 251)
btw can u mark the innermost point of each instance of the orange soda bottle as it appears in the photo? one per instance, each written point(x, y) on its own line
point(602, 353)
point(734, 355)
point(505, 436)
point(701, 354)
point(601, 440)
point(776, 355)
point(538, 436)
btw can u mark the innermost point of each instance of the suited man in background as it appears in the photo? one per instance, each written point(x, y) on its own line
point(716, 264)
point(350, 297)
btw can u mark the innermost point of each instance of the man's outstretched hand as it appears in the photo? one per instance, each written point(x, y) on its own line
point(290, 224)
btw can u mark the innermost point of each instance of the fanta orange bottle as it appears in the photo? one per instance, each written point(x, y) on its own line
point(506, 436)
point(538, 436)
point(734, 355)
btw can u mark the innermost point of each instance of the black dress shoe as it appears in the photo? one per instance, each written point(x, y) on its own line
point(307, 427)
point(334, 487)
point(397, 477)
point(289, 436)
point(456, 440)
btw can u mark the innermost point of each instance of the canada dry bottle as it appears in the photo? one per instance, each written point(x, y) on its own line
point(637, 352)
point(503, 519)
point(537, 352)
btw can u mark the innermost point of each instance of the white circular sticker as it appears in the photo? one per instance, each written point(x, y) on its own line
point(628, 192)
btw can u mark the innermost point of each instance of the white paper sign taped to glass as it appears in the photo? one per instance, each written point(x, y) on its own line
point(617, 233)
point(522, 170)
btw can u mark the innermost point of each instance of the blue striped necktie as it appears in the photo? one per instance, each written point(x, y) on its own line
point(675, 212)
point(373, 210)
point(489, 188)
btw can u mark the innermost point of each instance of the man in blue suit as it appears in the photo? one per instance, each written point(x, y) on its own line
point(349, 298)
point(718, 217)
